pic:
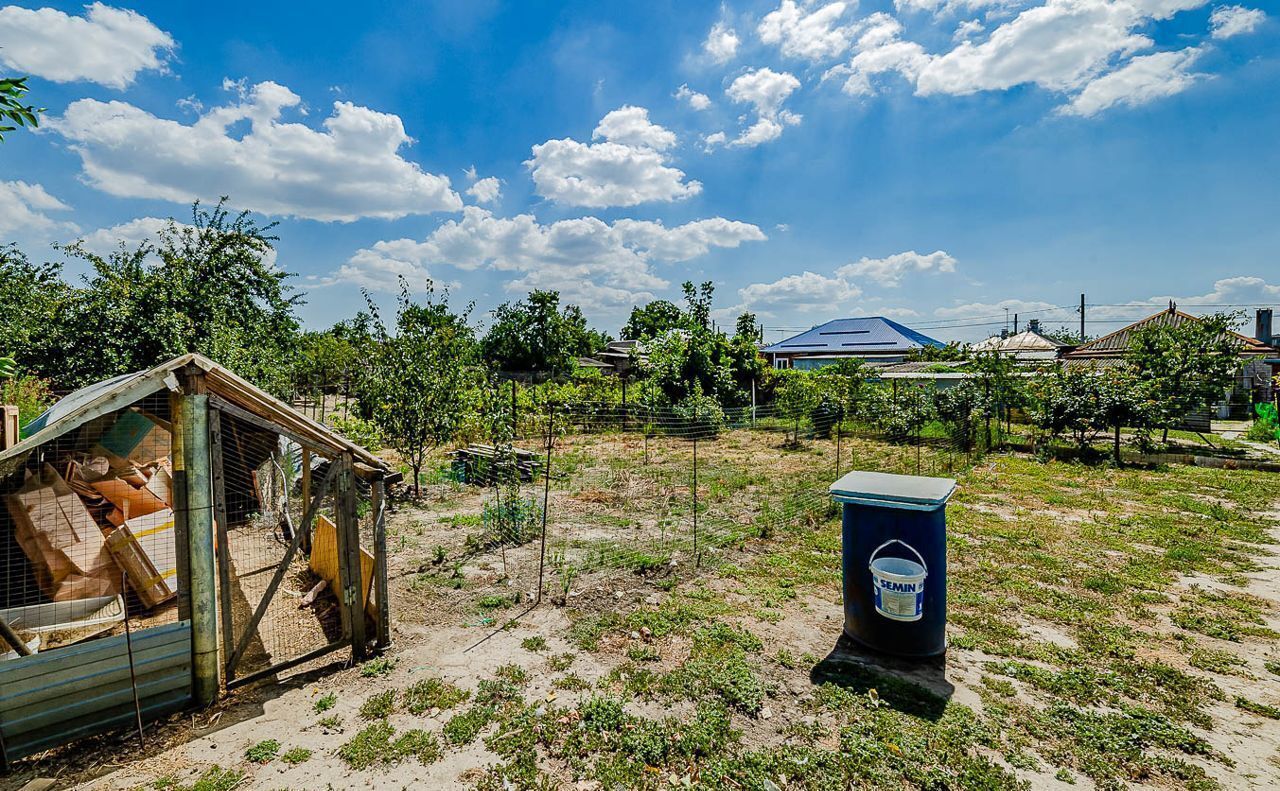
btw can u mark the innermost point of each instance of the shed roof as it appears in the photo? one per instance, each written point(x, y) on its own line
point(120, 392)
point(1117, 343)
point(869, 335)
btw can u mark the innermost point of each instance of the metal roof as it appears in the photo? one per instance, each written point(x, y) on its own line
point(1026, 341)
point(869, 335)
point(1117, 343)
point(121, 392)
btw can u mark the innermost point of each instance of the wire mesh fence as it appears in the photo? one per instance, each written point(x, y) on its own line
point(87, 533)
point(595, 488)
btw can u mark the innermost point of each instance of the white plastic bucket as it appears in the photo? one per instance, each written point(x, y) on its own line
point(898, 584)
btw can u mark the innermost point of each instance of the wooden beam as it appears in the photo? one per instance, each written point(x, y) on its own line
point(223, 548)
point(348, 528)
point(380, 586)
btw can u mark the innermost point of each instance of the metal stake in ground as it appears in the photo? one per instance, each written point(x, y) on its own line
point(133, 674)
point(546, 496)
point(697, 559)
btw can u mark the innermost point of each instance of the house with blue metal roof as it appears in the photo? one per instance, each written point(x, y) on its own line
point(874, 339)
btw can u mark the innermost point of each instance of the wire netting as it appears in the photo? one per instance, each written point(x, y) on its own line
point(661, 490)
point(87, 532)
point(278, 591)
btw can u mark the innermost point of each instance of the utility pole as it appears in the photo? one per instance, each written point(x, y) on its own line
point(1082, 336)
point(1015, 324)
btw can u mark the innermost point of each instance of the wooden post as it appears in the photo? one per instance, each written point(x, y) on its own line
point(380, 563)
point(546, 498)
point(199, 527)
point(223, 545)
point(697, 559)
point(349, 571)
point(306, 499)
point(9, 428)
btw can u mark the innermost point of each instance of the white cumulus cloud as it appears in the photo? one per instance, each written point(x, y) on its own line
point(765, 90)
point(812, 35)
point(1143, 79)
point(879, 50)
point(807, 290)
point(628, 167)
point(696, 100)
point(1234, 20)
point(24, 212)
point(486, 190)
point(351, 168)
point(890, 270)
point(109, 46)
point(722, 43)
point(590, 261)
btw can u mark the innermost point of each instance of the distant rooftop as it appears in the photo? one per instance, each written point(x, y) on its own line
point(1117, 343)
point(870, 335)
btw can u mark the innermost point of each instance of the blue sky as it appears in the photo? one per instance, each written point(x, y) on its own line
point(937, 161)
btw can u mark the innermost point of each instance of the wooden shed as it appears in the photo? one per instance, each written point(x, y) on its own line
point(156, 548)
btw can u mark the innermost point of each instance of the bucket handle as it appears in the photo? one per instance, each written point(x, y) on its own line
point(923, 565)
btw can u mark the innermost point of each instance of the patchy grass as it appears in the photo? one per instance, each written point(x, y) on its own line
point(263, 751)
point(215, 778)
point(296, 755)
point(379, 706)
point(432, 693)
point(325, 702)
point(377, 667)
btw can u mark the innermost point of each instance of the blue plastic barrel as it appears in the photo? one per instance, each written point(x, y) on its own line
point(894, 559)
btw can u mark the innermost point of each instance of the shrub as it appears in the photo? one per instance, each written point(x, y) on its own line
point(701, 414)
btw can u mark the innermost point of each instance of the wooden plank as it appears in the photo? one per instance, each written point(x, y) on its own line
point(240, 413)
point(349, 559)
point(74, 656)
point(382, 617)
point(325, 562)
point(223, 548)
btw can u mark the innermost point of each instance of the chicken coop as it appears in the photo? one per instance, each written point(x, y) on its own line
point(174, 533)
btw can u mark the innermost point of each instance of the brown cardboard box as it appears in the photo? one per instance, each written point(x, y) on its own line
point(146, 549)
point(65, 546)
point(132, 501)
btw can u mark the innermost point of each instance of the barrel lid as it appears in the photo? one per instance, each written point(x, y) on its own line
point(886, 490)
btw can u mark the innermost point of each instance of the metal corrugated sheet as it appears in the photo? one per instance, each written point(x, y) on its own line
point(874, 334)
point(53, 698)
point(114, 394)
point(1117, 343)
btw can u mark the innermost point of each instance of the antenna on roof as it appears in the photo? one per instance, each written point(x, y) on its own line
point(1172, 306)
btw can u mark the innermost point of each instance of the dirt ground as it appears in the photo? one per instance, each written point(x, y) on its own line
point(463, 616)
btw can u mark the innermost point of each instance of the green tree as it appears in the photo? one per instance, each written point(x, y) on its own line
point(689, 357)
point(417, 379)
point(13, 112)
point(205, 287)
point(1185, 367)
point(1121, 403)
point(652, 320)
point(536, 336)
point(961, 409)
point(1000, 381)
point(33, 306)
point(795, 395)
point(952, 352)
point(1065, 400)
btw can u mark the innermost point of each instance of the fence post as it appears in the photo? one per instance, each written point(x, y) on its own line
point(193, 428)
point(514, 422)
point(839, 432)
point(349, 566)
point(223, 542)
point(697, 559)
point(379, 497)
point(546, 497)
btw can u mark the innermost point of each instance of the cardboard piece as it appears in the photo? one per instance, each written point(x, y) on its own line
point(134, 439)
point(132, 501)
point(324, 562)
point(146, 548)
point(65, 546)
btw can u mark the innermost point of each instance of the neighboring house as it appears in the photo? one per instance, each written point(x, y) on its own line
point(1028, 346)
point(618, 357)
point(874, 339)
point(1253, 383)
